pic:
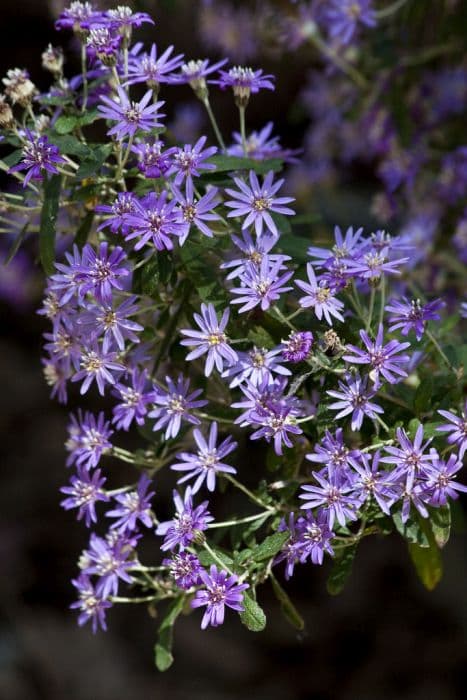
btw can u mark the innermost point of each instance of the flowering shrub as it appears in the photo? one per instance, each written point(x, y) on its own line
point(189, 301)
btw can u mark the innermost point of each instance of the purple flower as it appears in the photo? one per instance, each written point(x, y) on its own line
point(84, 492)
point(92, 605)
point(457, 426)
point(130, 116)
point(440, 484)
point(97, 365)
point(155, 220)
point(254, 202)
point(261, 285)
point(315, 537)
point(346, 246)
point(123, 19)
point(190, 160)
point(319, 296)
point(370, 481)
point(260, 146)
point(63, 345)
point(196, 211)
point(207, 462)
point(153, 70)
point(103, 44)
point(133, 506)
point(254, 252)
point(290, 552)
point(39, 156)
point(188, 523)
point(354, 397)
point(113, 324)
point(56, 373)
point(256, 366)
point(211, 340)
point(276, 418)
point(174, 405)
point(67, 283)
point(297, 347)
point(384, 359)
point(195, 73)
point(184, 568)
point(243, 82)
point(108, 559)
point(123, 205)
point(373, 264)
point(409, 458)
point(152, 161)
point(78, 16)
point(333, 453)
point(343, 17)
point(100, 272)
point(89, 439)
point(334, 496)
point(221, 589)
point(412, 315)
point(133, 401)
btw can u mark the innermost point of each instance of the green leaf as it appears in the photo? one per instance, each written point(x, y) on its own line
point(423, 395)
point(13, 158)
point(230, 163)
point(15, 246)
point(261, 338)
point(341, 569)
point(69, 144)
point(146, 278)
point(207, 559)
point(414, 530)
point(163, 648)
point(48, 220)
point(295, 246)
point(270, 546)
point(253, 616)
point(289, 610)
point(83, 230)
point(93, 163)
point(65, 124)
point(440, 519)
point(427, 562)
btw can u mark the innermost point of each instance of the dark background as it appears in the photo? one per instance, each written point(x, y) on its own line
point(383, 638)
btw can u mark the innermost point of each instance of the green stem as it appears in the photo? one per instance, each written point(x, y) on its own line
point(217, 559)
point(382, 300)
point(213, 121)
point(370, 308)
point(338, 61)
point(249, 519)
point(441, 351)
point(241, 110)
point(84, 71)
point(247, 492)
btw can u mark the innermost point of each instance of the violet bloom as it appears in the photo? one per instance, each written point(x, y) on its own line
point(297, 347)
point(195, 72)
point(255, 201)
point(320, 297)
point(63, 345)
point(207, 462)
point(130, 116)
point(210, 340)
point(315, 537)
point(343, 17)
point(277, 418)
point(457, 426)
point(254, 252)
point(89, 438)
point(122, 18)
point(56, 374)
point(440, 482)
point(152, 69)
point(110, 561)
point(100, 271)
point(384, 359)
point(39, 156)
point(78, 16)
point(173, 406)
point(373, 264)
point(123, 205)
point(354, 397)
point(332, 452)
point(346, 246)
point(196, 211)
point(334, 496)
point(97, 365)
point(68, 281)
point(291, 550)
point(133, 401)
point(184, 568)
point(133, 506)
point(112, 323)
point(187, 524)
point(244, 82)
point(256, 366)
point(190, 160)
point(92, 605)
point(372, 482)
point(83, 493)
point(104, 45)
point(409, 458)
point(153, 162)
point(412, 315)
point(221, 589)
point(155, 220)
point(261, 146)
point(261, 285)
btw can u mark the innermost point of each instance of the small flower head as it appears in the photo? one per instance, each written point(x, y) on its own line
point(185, 569)
point(244, 82)
point(83, 493)
point(188, 523)
point(39, 156)
point(413, 315)
point(220, 589)
point(131, 117)
point(210, 340)
point(297, 347)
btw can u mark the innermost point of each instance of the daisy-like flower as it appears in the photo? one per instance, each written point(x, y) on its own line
point(346, 246)
point(133, 506)
point(384, 359)
point(100, 272)
point(103, 44)
point(261, 146)
point(413, 315)
point(332, 452)
point(112, 323)
point(297, 347)
point(133, 401)
point(334, 496)
point(206, 463)
point(188, 161)
point(256, 366)
point(184, 568)
point(254, 251)
point(344, 16)
point(244, 82)
point(155, 220)
point(173, 406)
point(410, 457)
point(440, 481)
point(373, 264)
point(89, 438)
point(195, 212)
point(83, 493)
point(195, 72)
point(123, 205)
point(291, 550)
point(210, 340)
point(39, 156)
point(92, 606)
point(97, 365)
point(123, 19)
point(220, 589)
point(130, 116)
point(315, 537)
point(354, 398)
point(255, 202)
point(78, 16)
point(110, 560)
point(277, 418)
point(152, 160)
point(261, 285)
point(372, 482)
point(188, 523)
point(320, 297)
point(457, 426)
point(152, 69)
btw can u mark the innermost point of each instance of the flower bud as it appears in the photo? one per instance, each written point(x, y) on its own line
point(52, 59)
point(18, 87)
